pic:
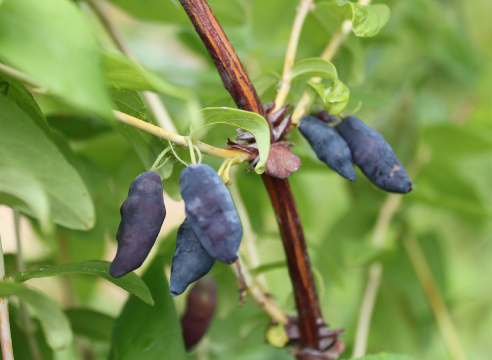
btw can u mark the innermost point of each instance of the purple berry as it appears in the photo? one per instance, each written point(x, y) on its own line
point(142, 215)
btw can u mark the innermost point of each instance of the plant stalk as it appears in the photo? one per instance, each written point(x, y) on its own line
point(5, 335)
point(237, 82)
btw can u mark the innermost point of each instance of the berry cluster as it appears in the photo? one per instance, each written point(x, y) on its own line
point(211, 231)
point(352, 141)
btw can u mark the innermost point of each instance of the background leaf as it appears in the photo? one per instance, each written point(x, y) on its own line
point(150, 332)
point(367, 21)
point(55, 324)
point(51, 41)
point(130, 282)
point(90, 323)
point(25, 147)
point(314, 67)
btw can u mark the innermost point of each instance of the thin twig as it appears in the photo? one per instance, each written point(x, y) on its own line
point(438, 306)
point(386, 213)
point(236, 155)
point(5, 335)
point(19, 76)
point(302, 10)
point(27, 324)
point(153, 101)
point(248, 253)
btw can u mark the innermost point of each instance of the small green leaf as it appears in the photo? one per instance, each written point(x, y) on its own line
point(314, 67)
point(246, 120)
point(25, 147)
point(20, 95)
point(130, 282)
point(265, 81)
point(53, 42)
point(335, 96)
point(26, 188)
point(268, 267)
point(125, 74)
point(53, 321)
point(90, 323)
point(149, 332)
point(147, 146)
point(367, 21)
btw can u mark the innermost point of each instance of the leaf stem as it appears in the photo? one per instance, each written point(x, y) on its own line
point(302, 10)
point(5, 335)
point(27, 324)
point(238, 156)
point(437, 304)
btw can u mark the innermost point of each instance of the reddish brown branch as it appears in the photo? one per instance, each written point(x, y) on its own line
point(310, 319)
point(232, 72)
point(237, 82)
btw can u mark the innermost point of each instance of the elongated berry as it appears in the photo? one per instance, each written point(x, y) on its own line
point(211, 212)
point(374, 156)
point(328, 145)
point(202, 301)
point(142, 215)
point(190, 260)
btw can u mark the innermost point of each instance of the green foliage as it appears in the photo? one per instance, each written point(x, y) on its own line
point(248, 121)
point(148, 331)
point(130, 282)
point(26, 148)
point(61, 55)
point(424, 82)
point(55, 324)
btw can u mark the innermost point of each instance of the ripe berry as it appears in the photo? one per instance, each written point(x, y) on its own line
point(211, 212)
point(190, 260)
point(142, 215)
point(374, 156)
point(328, 145)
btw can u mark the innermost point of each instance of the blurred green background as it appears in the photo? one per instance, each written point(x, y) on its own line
point(425, 82)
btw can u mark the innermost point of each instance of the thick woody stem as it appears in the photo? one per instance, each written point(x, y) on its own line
point(231, 71)
point(237, 82)
point(300, 272)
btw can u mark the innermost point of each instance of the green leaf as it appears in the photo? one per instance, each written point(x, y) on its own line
point(246, 120)
point(268, 267)
point(25, 147)
point(314, 67)
point(130, 282)
point(265, 81)
point(147, 146)
point(367, 21)
point(385, 356)
point(335, 96)
point(123, 73)
point(20, 95)
point(90, 323)
point(146, 332)
point(55, 324)
point(78, 126)
point(52, 41)
point(28, 189)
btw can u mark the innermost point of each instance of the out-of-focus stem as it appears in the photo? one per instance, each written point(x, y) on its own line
point(302, 11)
point(386, 214)
point(27, 324)
point(437, 304)
point(5, 335)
